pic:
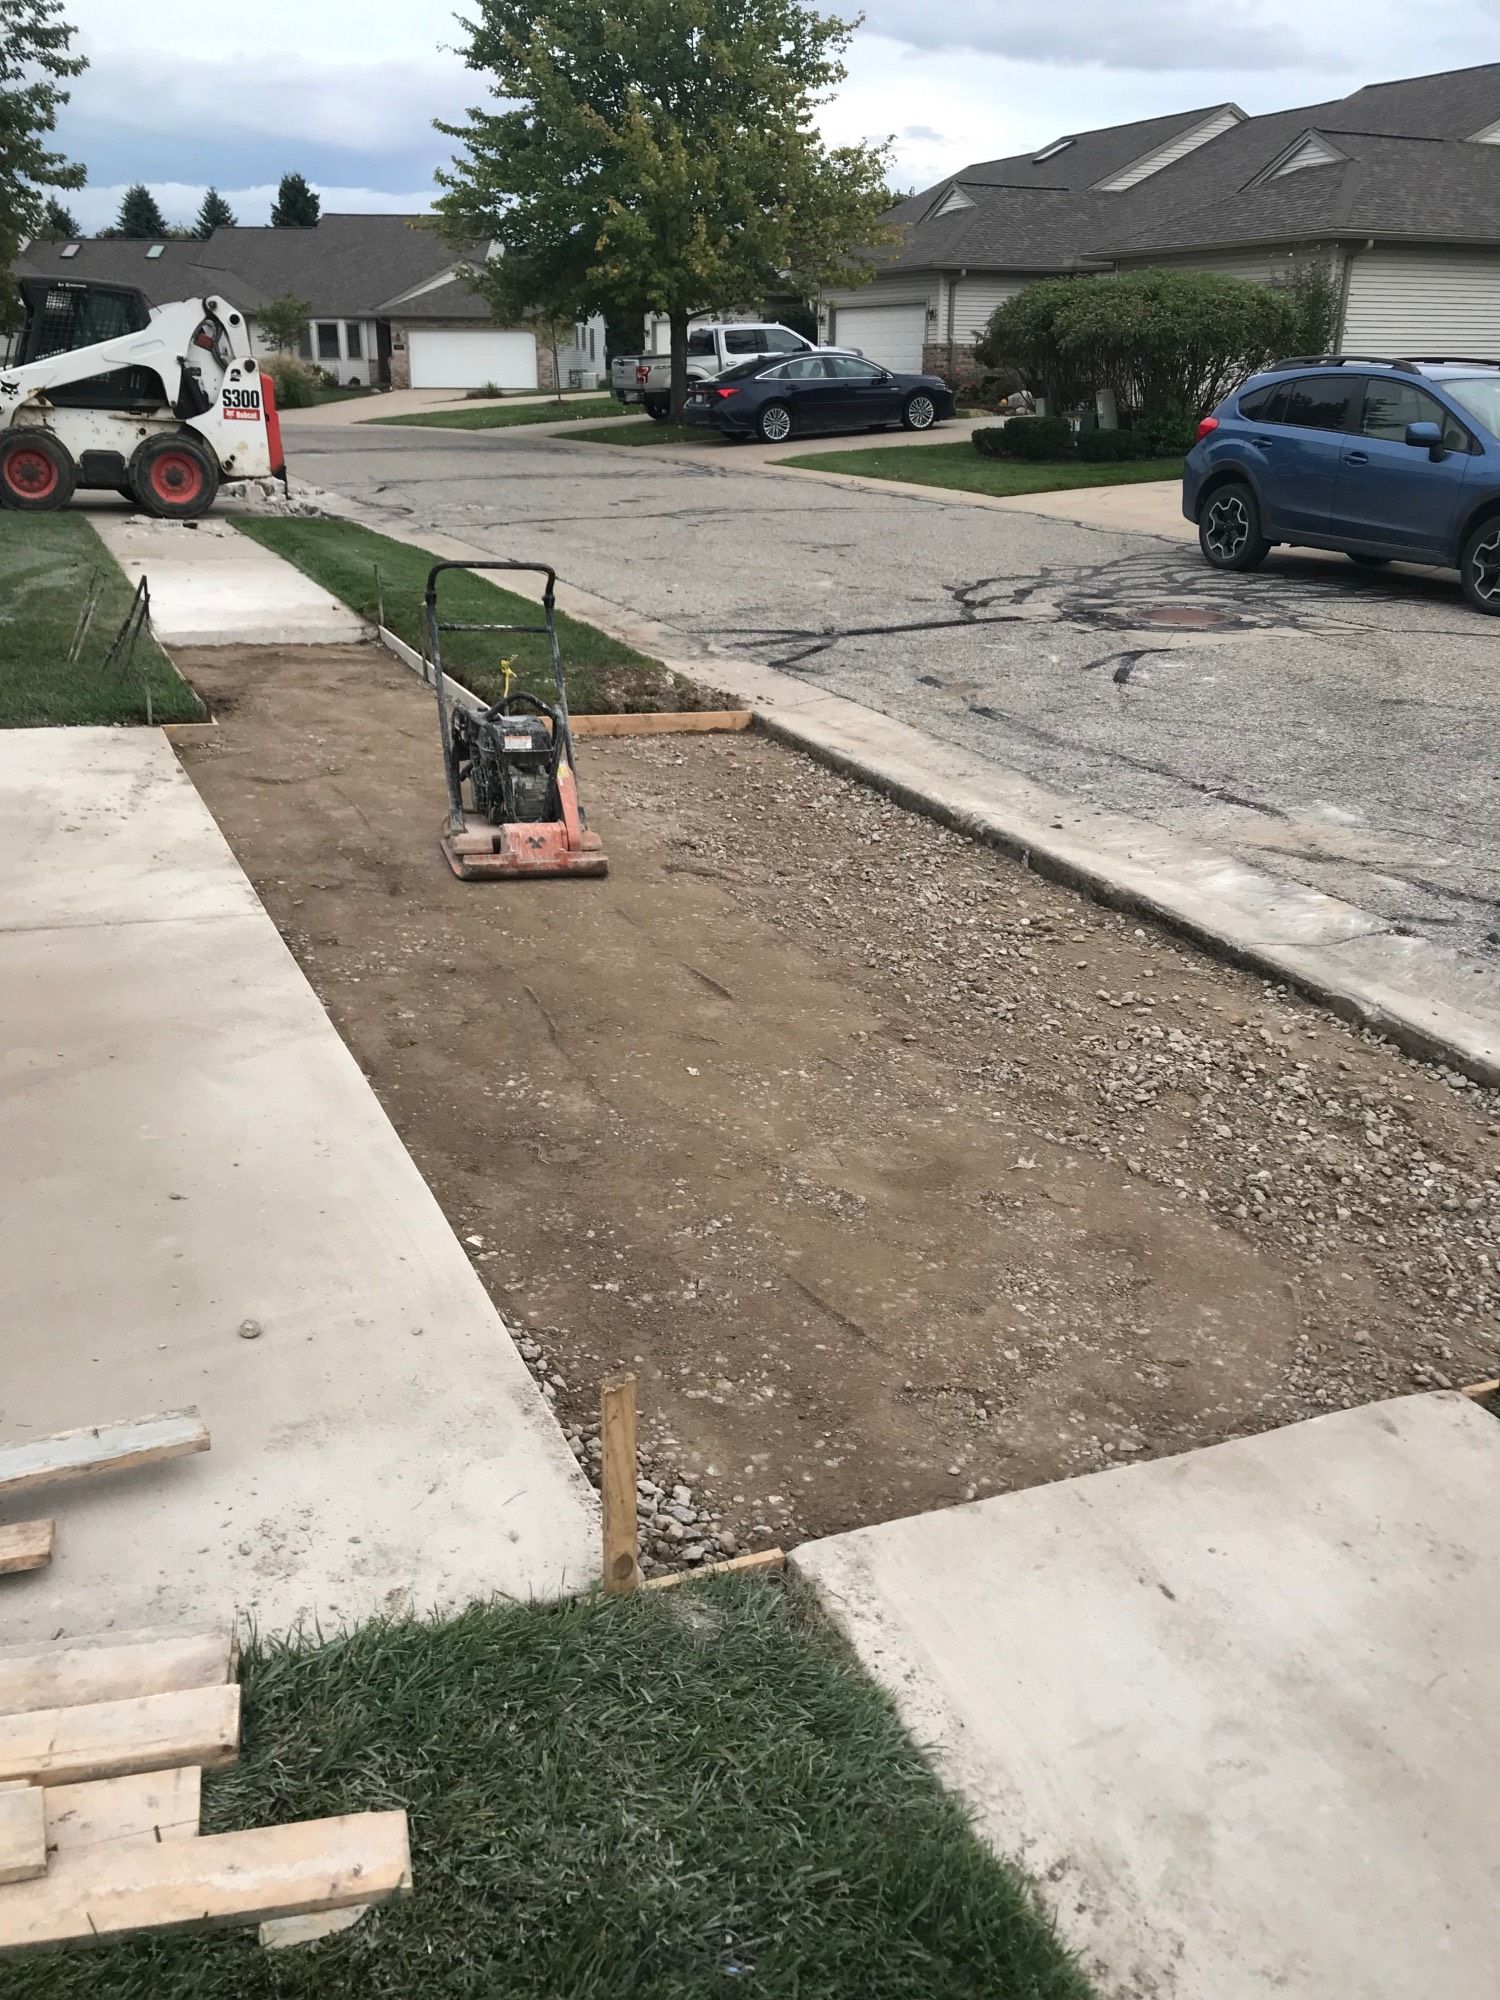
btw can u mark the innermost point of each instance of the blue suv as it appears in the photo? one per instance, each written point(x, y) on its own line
point(1389, 461)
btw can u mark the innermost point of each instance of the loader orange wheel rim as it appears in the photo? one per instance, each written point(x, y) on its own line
point(175, 478)
point(30, 473)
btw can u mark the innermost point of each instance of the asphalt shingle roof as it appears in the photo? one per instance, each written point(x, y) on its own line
point(1410, 173)
point(346, 267)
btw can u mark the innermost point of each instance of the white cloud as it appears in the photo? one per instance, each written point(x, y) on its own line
point(1157, 35)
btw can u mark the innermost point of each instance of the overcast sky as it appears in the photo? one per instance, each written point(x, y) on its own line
point(181, 93)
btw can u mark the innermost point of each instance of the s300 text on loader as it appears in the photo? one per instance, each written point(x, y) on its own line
point(157, 403)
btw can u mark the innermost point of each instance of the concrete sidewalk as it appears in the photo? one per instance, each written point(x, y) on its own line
point(415, 402)
point(191, 1156)
point(1235, 1709)
point(212, 586)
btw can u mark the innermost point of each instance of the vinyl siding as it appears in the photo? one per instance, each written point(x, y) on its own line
point(1423, 301)
point(1175, 149)
point(974, 299)
point(1260, 265)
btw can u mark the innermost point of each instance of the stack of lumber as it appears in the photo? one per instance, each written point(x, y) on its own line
point(27, 1545)
point(103, 1743)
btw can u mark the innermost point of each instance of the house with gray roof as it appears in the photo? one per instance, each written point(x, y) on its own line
point(390, 307)
point(1394, 189)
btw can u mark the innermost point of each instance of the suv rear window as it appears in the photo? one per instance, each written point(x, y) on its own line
point(1319, 402)
point(1257, 405)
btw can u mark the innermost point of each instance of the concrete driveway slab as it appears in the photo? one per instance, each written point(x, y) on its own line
point(190, 1155)
point(211, 586)
point(1234, 1709)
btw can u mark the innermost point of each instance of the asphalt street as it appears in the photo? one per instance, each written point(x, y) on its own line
point(1338, 726)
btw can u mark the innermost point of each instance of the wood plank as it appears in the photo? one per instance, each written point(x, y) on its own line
point(112, 1666)
point(100, 1448)
point(1479, 1390)
point(25, 1545)
point(669, 722)
point(148, 1805)
point(65, 1746)
point(758, 1559)
point(23, 1833)
point(617, 1485)
point(277, 1933)
point(274, 1871)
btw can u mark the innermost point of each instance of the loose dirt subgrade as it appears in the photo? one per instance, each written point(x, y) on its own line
point(897, 1174)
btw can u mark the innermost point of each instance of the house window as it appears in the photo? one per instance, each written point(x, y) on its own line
point(354, 340)
point(328, 340)
point(593, 352)
point(304, 343)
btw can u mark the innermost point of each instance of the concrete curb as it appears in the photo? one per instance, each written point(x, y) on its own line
point(1335, 953)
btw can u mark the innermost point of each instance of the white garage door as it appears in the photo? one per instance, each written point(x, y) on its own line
point(1410, 301)
point(469, 357)
point(891, 335)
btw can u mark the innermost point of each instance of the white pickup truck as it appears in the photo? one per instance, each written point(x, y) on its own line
point(711, 348)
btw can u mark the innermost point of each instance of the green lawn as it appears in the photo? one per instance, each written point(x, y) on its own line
point(320, 395)
point(645, 430)
point(47, 562)
point(960, 467)
point(604, 676)
point(667, 1797)
point(494, 417)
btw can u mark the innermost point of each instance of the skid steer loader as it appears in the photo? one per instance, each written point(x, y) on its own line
point(160, 404)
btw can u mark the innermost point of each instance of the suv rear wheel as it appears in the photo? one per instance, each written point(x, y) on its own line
point(1229, 528)
point(1479, 566)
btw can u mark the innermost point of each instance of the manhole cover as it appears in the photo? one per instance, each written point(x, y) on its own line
point(1186, 617)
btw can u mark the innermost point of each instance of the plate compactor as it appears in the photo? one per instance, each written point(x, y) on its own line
point(516, 759)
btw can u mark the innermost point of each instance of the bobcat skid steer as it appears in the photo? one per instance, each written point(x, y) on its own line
point(159, 404)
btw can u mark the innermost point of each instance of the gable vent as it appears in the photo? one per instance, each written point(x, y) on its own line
point(954, 200)
point(1313, 152)
point(1175, 149)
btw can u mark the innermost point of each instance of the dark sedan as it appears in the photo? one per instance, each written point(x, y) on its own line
point(773, 399)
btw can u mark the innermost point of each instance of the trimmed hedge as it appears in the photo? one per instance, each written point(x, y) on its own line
point(1042, 439)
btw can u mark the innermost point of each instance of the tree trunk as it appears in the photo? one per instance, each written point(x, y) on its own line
point(677, 320)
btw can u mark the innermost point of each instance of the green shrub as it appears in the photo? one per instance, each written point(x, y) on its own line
point(1101, 447)
point(1165, 432)
point(1034, 438)
point(293, 380)
point(1158, 339)
point(989, 441)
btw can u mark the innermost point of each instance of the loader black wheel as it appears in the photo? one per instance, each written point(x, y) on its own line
point(174, 478)
point(37, 474)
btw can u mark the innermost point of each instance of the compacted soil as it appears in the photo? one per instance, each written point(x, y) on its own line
point(896, 1173)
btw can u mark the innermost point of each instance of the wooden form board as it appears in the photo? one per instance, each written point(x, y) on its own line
point(148, 1805)
point(673, 722)
point(23, 1833)
point(62, 1746)
point(765, 1560)
point(275, 1871)
point(114, 1666)
point(25, 1545)
point(100, 1448)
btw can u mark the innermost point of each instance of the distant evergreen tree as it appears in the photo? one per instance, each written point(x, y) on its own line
point(59, 225)
point(297, 207)
point(214, 214)
point(139, 215)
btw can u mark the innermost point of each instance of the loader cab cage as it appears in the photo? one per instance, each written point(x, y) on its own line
point(63, 314)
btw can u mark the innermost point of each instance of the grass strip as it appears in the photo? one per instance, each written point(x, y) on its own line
point(47, 563)
point(495, 417)
point(679, 1795)
point(960, 468)
point(645, 430)
point(605, 677)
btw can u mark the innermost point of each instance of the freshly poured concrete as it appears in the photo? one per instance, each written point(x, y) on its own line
point(189, 1154)
point(1234, 1712)
point(212, 586)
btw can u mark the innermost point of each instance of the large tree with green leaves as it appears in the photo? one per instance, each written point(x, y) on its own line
point(658, 157)
point(59, 224)
point(215, 213)
point(296, 205)
point(36, 59)
point(283, 321)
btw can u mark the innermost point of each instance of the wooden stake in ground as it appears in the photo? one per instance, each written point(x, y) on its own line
point(617, 1485)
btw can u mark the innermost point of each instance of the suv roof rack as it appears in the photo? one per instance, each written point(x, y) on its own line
point(1335, 361)
point(1448, 361)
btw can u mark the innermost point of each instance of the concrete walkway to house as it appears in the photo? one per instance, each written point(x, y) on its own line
point(211, 585)
point(1235, 1709)
point(204, 1204)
